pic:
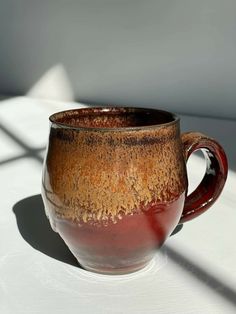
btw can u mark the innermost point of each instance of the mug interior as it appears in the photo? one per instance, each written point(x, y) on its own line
point(112, 117)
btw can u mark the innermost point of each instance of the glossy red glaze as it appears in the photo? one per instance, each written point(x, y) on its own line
point(215, 176)
point(126, 245)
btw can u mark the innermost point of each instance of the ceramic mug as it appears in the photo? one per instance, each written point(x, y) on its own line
point(115, 183)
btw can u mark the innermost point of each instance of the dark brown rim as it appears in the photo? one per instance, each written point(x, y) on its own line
point(86, 110)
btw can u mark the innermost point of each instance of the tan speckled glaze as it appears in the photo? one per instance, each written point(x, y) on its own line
point(97, 175)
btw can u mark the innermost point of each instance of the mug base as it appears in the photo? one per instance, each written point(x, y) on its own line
point(117, 271)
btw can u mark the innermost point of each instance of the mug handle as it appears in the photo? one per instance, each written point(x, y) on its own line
point(215, 176)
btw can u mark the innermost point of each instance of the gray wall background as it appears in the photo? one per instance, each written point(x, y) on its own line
point(179, 55)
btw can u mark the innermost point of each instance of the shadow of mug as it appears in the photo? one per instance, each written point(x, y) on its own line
point(35, 229)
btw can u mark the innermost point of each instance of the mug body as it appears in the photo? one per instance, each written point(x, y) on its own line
point(114, 184)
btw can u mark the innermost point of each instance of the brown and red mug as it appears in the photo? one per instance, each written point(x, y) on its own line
point(115, 183)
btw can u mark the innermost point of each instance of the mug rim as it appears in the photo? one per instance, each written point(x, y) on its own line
point(119, 109)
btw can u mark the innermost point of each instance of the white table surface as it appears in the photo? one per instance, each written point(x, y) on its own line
point(194, 272)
